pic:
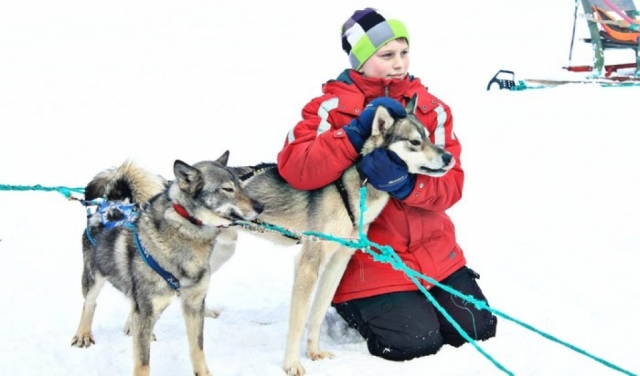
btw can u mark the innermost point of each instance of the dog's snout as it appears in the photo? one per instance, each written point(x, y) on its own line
point(446, 158)
point(258, 207)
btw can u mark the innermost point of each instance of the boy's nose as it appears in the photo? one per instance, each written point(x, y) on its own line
point(398, 62)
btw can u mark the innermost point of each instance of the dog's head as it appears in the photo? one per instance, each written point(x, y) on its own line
point(211, 193)
point(408, 138)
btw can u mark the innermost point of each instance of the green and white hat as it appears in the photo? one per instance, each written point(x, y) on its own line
point(366, 31)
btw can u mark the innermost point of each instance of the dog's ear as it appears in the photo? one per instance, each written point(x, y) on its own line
point(224, 158)
point(189, 178)
point(382, 121)
point(411, 105)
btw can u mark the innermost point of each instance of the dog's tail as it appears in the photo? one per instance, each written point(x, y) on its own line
point(127, 182)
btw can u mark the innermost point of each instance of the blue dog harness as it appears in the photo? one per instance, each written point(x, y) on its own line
point(126, 218)
point(153, 264)
point(128, 213)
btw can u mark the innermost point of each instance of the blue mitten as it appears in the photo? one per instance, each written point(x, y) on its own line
point(387, 172)
point(359, 129)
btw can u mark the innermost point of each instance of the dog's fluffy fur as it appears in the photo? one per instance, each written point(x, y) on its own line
point(209, 196)
point(320, 264)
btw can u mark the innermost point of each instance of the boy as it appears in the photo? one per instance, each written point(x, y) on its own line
point(395, 318)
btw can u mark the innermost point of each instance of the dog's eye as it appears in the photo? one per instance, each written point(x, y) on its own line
point(228, 190)
point(414, 142)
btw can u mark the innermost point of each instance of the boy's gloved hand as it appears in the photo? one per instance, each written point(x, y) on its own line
point(387, 172)
point(359, 129)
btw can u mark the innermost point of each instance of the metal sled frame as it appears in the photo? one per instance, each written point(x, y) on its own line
point(603, 32)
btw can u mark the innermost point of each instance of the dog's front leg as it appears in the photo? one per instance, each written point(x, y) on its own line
point(144, 315)
point(142, 325)
point(91, 289)
point(223, 249)
point(126, 329)
point(193, 312)
point(308, 263)
point(327, 285)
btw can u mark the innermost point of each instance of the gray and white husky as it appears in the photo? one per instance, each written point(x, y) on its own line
point(333, 210)
point(164, 251)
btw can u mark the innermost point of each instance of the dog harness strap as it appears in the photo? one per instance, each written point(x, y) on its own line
point(256, 170)
point(153, 264)
point(185, 214)
point(91, 239)
point(248, 175)
point(345, 199)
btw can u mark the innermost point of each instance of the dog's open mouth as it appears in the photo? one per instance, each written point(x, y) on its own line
point(430, 171)
point(439, 171)
point(233, 216)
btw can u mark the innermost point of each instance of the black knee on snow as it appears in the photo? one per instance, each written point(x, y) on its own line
point(407, 350)
point(484, 332)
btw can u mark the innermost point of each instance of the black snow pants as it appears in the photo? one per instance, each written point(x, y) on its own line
point(405, 325)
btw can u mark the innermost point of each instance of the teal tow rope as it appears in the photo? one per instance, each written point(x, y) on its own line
point(388, 255)
point(67, 192)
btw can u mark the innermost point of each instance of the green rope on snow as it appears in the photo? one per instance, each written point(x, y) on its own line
point(66, 191)
point(521, 85)
point(386, 254)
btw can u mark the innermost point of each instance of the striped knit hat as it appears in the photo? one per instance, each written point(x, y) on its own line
point(366, 31)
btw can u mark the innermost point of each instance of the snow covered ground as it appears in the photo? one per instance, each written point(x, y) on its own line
point(550, 214)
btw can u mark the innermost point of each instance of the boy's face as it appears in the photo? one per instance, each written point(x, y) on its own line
point(391, 61)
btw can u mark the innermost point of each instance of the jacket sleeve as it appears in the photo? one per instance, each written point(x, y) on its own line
point(317, 150)
point(439, 194)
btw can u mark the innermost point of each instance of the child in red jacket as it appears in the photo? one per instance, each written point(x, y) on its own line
point(388, 310)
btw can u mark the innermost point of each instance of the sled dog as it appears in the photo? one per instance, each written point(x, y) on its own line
point(164, 251)
point(326, 210)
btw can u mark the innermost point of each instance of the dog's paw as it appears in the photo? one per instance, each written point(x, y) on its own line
point(202, 371)
point(126, 329)
point(294, 369)
point(213, 313)
point(317, 355)
point(83, 340)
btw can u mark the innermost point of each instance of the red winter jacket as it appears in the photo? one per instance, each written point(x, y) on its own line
point(317, 152)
